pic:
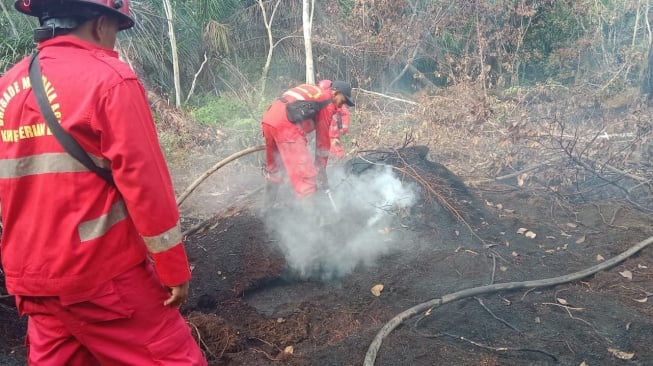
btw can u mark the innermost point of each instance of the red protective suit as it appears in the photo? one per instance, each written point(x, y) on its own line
point(339, 125)
point(123, 323)
point(286, 142)
point(66, 230)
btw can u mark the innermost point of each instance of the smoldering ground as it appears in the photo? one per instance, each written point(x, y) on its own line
point(327, 237)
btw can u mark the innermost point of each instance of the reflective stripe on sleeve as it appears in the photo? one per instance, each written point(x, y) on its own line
point(93, 229)
point(45, 163)
point(164, 241)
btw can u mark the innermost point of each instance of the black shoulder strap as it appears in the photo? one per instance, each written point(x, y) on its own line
point(323, 104)
point(65, 139)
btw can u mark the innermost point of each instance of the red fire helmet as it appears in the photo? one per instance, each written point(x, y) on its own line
point(38, 8)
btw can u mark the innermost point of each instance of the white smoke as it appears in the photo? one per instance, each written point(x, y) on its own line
point(325, 242)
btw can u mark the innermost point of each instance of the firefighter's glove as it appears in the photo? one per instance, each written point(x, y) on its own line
point(322, 180)
point(336, 149)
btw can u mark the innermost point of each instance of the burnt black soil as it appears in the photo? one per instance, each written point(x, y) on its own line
point(250, 306)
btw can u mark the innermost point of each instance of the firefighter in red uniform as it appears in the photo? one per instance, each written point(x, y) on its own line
point(339, 125)
point(76, 250)
point(286, 142)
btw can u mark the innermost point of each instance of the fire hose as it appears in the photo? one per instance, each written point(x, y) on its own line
point(217, 166)
point(374, 347)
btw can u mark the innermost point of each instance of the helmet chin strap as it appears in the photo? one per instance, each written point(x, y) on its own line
point(54, 27)
point(62, 20)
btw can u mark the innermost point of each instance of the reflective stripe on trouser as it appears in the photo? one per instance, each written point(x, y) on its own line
point(122, 322)
point(290, 146)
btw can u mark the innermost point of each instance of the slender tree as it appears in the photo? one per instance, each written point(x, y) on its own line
point(167, 6)
point(307, 22)
point(268, 27)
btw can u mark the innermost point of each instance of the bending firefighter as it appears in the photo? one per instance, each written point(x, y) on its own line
point(286, 142)
point(98, 267)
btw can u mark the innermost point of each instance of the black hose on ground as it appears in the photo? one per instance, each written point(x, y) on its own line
point(372, 351)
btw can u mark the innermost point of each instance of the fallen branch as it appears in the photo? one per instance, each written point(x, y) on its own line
point(516, 174)
point(217, 166)
point(612, 182)
point(480, 301)
point(424, 183)
point(642, 180)
point(489, 348)
point(387, 96)
point(372, 351)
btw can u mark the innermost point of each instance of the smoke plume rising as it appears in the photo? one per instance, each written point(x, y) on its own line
point(326, 242)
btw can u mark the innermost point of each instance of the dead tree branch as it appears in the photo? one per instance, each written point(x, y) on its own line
point(192, 85)
point(205, 347)
point(489, 348)
point(443, 201)
point(387, 96)
point(480, 301)
point(409, 171)
point(518, 173)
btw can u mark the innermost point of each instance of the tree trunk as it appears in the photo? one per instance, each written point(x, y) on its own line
point(173, 47)
point(647, 78)
point(481, 56)
point(647, 82)
point(268, 28)
point(307, 21)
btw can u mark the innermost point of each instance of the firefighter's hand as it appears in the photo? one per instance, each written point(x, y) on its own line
point(178, 295)
point(337, 151)
point(322, 180)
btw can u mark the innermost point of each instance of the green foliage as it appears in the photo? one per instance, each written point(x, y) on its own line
point(211, 10)
point(346, 6)
point(198, 32)
point(566, 41)
point(173, 145)
point(16, 41)
point(13, 49)
point(553, 29)
point(223, 112)
point(148, 44)
point(546, 44)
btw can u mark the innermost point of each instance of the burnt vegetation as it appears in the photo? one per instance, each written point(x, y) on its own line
point(505, 118)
